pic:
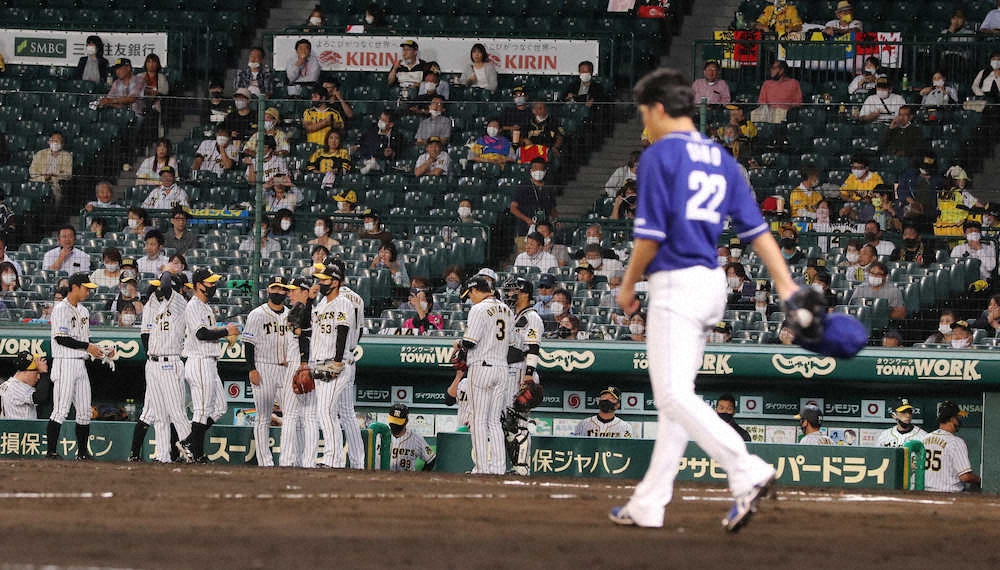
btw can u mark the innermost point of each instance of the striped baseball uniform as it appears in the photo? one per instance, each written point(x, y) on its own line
point(490, 328)
point(464, 405)
point(275, 347)
point(815, 438)
point(327, 318)
point(344, 406)
point(528, 329)
point(70, 382)
point(405, 451)
point(163, 405)
point(594, 426)
point(208, 400)
point(17, 400)
point(947, 459)
point(893, 438)
point(300, 427)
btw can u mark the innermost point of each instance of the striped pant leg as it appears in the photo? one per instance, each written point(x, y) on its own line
point(349, 420)
point(485, 387)
point(63, 382)
point(159, 377)
point(194, 372)
point(291, 415)
point(217, 403)
point(308, 404)
point(174, 400)
point(498, 448)
point(81, 393)
point(263, 399)
point(325, 415)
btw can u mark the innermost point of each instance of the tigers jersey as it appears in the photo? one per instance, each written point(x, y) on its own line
point(270, 334)
point(314, 115)
point(73, 322)
point(327, 316)
point(815, 438)
point(405, 451)
point(528, 329)
point(490, 326)
point(199, 315)
point(164, 322)
point(359, 315)
point(595, 427)
point(893, 438)
point(17, 400)
point(947, 459)
point(464, 405)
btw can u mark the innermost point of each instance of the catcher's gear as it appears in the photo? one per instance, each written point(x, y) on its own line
point(458, 357)
point(517, 439)
point(514, 287)
point(843, 336)
point(302, 381)
point(327, 371)
point(804, 311)
point(477, 282)
point(529, 396)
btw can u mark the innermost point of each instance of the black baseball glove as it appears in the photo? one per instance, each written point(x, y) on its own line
point(804, 312)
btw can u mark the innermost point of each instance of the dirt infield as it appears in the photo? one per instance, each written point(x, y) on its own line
point(69, 514)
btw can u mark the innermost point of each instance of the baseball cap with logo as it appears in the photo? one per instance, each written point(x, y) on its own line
point(273, 112)
point(409, 44)
point(398, 414)
point(613, 391)
point(547, 280)
point(816, 262)
point(723, 327)
point(961, 325)
point(583, 267)
point(169, 169)
point(205, 275)
point(346, 196)
point(283, 282)
point(123, 61)
point(903, 405)
point(27, 361)
point(327, 271)
point(83, 280)
point(300, 283)
point(811, 414)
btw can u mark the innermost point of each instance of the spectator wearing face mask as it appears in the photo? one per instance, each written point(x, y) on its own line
point(626, 202)
point(242, 122)
point(432, 86)
point(805, 197)
point(810, 419)
point(109, 276)
point(961, 335)
point(93, 66)
point(546, 291)
point(604, 262)
point(515, 119)
point(387, 259)
point(422, 302)
point(861, 182)
point(974, 247)
point(283, 224)
point(436, 125)
point(558, 250)
point(943, 334)
point(725, 407)
point(913, 248)
point(128, 296)
point(722, 333)
point(493, 146)
point(321, 230)
point(873, 236)
point(822, 286)
point(637, 327)
point(851, 254)
point(10, 280)
point(52, 165)
point(372, 228)
point(217, 108)
point(280, 194)
point(216, 155)
point(883, 106)
point(533, 202)
point(273, 163)
point(452, 289)
point(256, 76)
point(741, 288)
point(380, 143)
point(877, 287)
point(320, 119)
point(844, 22)
point(939, 93)
point(560, 307)
point(780, 91)
point(272, 118)
point(790, 245)
point(622, 174)
point(865, 81)
point(568, 329)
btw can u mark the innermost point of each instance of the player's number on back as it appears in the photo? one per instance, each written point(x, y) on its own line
point(501, 329)
point(933, 461)
point(709, 192)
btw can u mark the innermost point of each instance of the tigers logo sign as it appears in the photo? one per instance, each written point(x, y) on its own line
point(805, 366)
point(568, 360)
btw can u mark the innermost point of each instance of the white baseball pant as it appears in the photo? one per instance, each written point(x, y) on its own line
point(344, 408)
point(271, 377)
point(291, 423)
point(487, 387)
point(208, 400)
point(70, 386)
point(327, 395)
point(164, 403)
point(684, 305)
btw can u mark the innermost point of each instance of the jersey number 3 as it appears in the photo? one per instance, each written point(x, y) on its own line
point(502, 332)
point(710, 191)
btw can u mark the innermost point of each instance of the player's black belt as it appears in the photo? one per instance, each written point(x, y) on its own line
point(69, 357)
point(163, 358)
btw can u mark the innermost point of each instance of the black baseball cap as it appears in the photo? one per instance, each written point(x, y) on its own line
point(83, 280)
point(169, 169)
point(614, 391)
point(903, 405)
point(300, 283)
point(811, 414)
point(27, 360)
point(282, 282)
point(546, 280)
point(583, 267)
point(205, 275)
point(723, 327)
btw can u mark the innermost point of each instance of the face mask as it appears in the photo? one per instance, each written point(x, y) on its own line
point(91, 49)
point(586, 77)
point(422, 305)
point(452, 284)
point(435, 113)
point(277, 298)
point(369, 19)
point(133, 223)
point(846, 18)
point(723, 260)
point(852, 257)
point(545, 298)
point(874, 281)
point(911, 243)
point(728, 418)
point(9, 278)
point(788, 243)
point(557, 308)
point(939, 83)
point(112, 267)
point(55, 147)
point(325, 288)
point(944, 329)
point(221, 140)
point(128, 319)
point(596, 263)
point(538, 175)
point(736, 252)
point(960, 343)
point(817, 287)
point(858, 173)
point(396, 429)
point(593, 240)
point(319, 231)
point(382, 125)
point(728, 139)
point(241, 103)
point(564, 332)
point(523, 100)
point(716, 337)
point(209, 292)
point(733, 282)
point(541, 118)
point(606, 406)
point(973, 236)
point(464, 211)
point(882, 93)
point(285, 225)
point(215, 94)
point(254, 65)
point(269, 125)
point(636, 328)
point(492, 131)
point(995, 64)
point(431, 88)
point(369, 226)
point(315, 21)
point(870, 70)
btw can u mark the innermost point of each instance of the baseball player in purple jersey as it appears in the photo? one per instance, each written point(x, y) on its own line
point(70, 382)
point(688, 187)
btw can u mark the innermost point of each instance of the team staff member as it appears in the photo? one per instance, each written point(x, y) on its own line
point(407, 446)
point(810, 420)
point(70, 381)
point(23, 392)
point(688, 186)
point(605, 423)
point(725, 407)
point(947, 467)
point(162, 335)
point(484, 348)
point(904, 430)
point(270, 345)
point(201, 348)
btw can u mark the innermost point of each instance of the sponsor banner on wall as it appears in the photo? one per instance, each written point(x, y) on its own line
point(530, 56)
point(66, 47)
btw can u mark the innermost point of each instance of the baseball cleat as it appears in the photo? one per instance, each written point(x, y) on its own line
point(84, 457)
point(54, 456)
point(185, 452)
point(620, 516)
point(132, 458)
point(746, 505)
